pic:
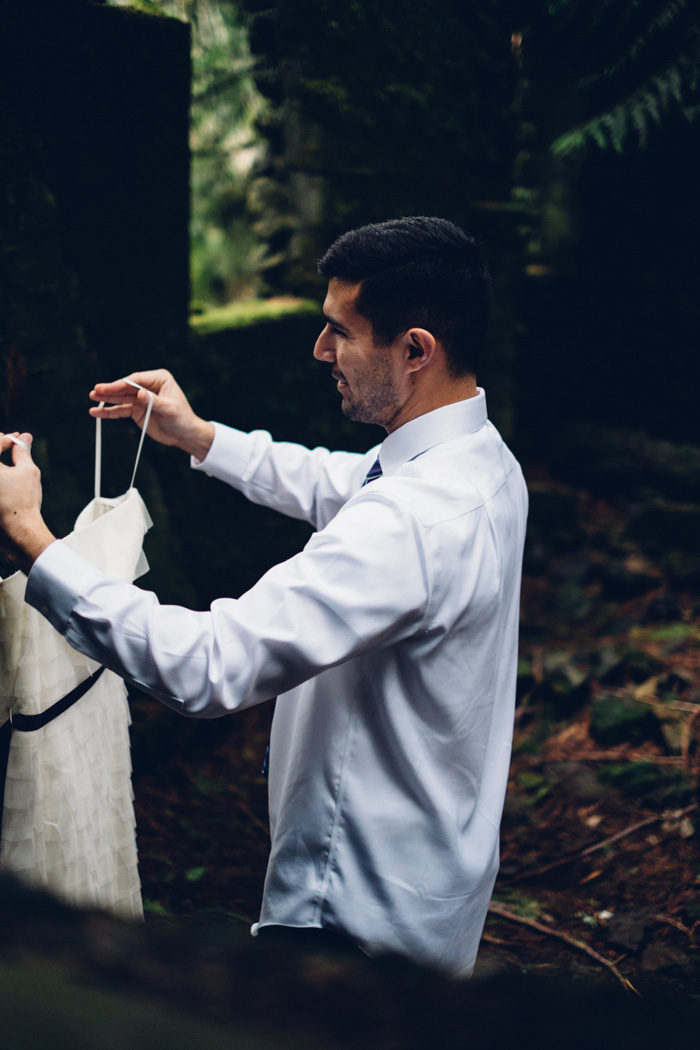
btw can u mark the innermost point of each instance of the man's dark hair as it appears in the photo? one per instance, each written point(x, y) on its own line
point(418, 272)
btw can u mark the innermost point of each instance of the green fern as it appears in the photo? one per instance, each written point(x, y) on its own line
point(645, 107)
point(575, 15)
point(665, 19)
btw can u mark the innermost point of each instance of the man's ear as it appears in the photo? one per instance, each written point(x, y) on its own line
point(420, 348)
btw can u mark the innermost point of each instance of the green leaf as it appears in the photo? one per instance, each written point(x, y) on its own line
point(195, 874)
point(518, 902)
point(155, 907)
point(672, 632)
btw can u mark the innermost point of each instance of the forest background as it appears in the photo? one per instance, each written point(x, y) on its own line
point(138, 230)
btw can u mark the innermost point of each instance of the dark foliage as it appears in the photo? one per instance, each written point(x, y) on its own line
point(93, 223)
point(376, 108)
point(76, 980)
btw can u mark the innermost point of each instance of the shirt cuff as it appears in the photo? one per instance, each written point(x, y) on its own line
point(56, 581)
point(228, 455)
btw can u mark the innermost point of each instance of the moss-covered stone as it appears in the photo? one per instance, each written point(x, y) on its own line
point(636, 666)
point(656, 785)
point(616, 720)
point(250, 312)
point(565, 686)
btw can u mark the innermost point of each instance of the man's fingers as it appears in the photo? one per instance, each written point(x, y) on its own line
point(153, 380)
point(112, 392)
point(20, 444)
point(23, 442)
point(120, 388)
point(22, 450)
point(120, 411)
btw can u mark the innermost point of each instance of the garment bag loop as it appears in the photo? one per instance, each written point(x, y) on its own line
point(98, 440)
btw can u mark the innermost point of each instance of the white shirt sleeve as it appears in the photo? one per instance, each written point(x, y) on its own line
point(361, 583)
point(311, 484)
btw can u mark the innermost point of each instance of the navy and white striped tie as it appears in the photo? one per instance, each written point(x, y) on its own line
point(374, 472)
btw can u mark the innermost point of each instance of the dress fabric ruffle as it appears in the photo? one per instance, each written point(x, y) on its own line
point(68, 818)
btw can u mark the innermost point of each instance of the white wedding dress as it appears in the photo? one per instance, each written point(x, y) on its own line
point(68, 817)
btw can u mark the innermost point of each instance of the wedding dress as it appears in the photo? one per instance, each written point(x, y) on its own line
point(68, 816)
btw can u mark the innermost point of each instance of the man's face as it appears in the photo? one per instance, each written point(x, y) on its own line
point(369, 376)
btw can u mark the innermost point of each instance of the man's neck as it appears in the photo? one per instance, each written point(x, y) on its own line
point(425, 400)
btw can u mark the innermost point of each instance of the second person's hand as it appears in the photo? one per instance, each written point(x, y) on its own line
point(172, 420)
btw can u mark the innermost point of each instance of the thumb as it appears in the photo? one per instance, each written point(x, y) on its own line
point(148, 399)
point(22, 450)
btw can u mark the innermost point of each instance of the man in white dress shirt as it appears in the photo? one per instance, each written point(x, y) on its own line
point(390, 640)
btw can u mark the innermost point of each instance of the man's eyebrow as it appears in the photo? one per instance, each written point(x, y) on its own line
point(332, 321)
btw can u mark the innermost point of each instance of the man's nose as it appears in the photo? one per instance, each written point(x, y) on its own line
point(323, 350)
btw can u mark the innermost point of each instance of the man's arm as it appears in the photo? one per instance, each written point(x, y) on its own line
point(343, 595)
point(311, 484)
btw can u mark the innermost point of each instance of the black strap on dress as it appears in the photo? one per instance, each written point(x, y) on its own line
point(28, 723)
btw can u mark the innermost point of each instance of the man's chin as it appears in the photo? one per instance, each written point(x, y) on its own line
point(350, 410)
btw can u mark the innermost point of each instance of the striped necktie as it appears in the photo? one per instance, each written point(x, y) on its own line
point(374, 472)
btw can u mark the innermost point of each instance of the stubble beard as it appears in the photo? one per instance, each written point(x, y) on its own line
point(375, 405)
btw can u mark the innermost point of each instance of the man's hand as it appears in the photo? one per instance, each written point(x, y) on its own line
point(23, 534)
point(172, 420)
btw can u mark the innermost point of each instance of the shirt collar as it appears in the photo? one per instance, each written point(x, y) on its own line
point(430, 429)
